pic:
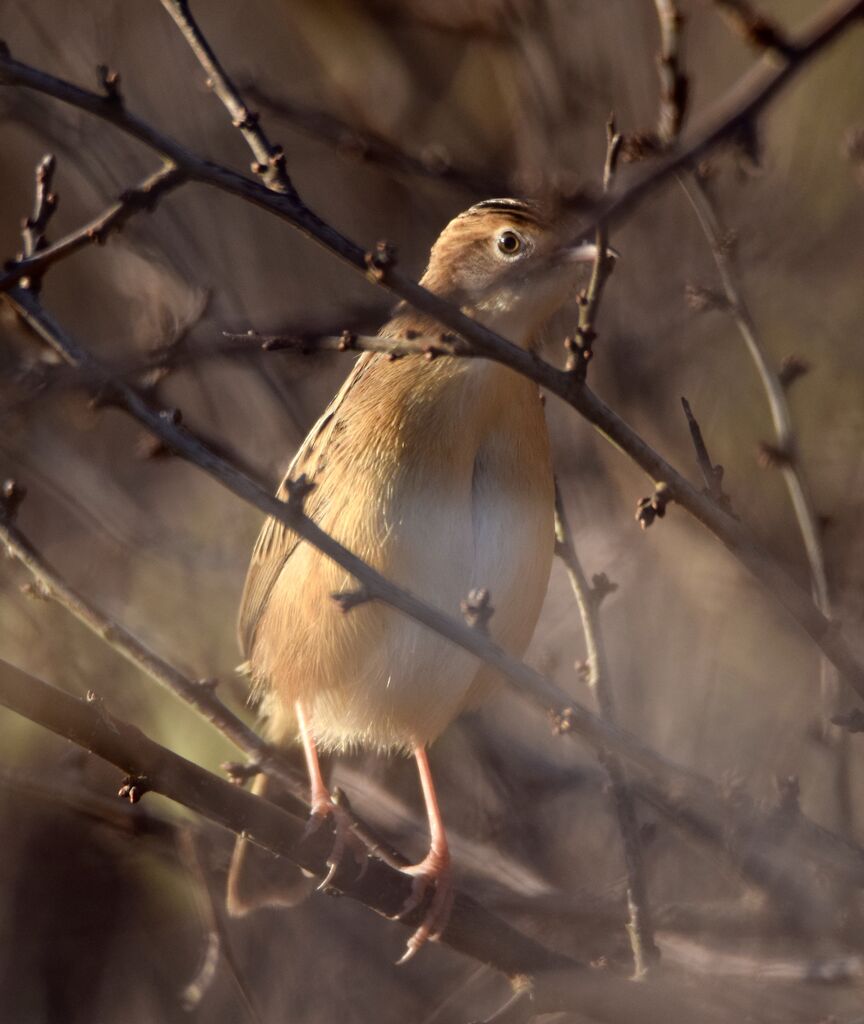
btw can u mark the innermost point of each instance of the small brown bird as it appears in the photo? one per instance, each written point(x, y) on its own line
point(438, 474)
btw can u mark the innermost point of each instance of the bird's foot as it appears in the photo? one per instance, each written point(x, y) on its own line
point(434, 869)
point(325, 809)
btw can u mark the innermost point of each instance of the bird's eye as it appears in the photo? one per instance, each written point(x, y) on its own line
point(509, 243)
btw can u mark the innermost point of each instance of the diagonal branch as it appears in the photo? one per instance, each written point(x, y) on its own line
point(472, 930)
point(269, 159)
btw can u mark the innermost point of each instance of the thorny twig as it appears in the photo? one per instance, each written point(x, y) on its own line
point(640, 928)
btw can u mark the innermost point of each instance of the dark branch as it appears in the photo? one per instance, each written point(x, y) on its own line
point(472, 930)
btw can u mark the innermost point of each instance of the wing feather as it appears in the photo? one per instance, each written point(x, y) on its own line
point(276, 542)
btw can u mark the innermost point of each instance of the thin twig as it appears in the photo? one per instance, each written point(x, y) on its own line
point(431, 345)
point(640, 928)
point(371, 148)
point(217, 943)
point(581, 349)
point(269, 162)
point(673, 82)
point(36, 225)
point(786, 440)
point(142, 197)
point(712, 474)
point(755, 27)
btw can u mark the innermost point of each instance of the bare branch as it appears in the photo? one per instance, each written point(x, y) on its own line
point(783, 452)
point(640, 928)
point(581, 348)
point(143, 197)
point(269, 159)
point(673, 81)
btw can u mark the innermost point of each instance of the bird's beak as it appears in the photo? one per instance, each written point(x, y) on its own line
point(587, 252)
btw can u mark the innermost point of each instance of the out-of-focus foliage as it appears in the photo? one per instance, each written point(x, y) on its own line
point(100, 923)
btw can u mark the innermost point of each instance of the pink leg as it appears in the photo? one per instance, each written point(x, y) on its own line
point(323, 807)
point(434, 869)
point(320, 799)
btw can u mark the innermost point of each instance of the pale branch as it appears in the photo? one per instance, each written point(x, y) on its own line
point(674, 86)
point(472, 930)
point(785, 439)
point(766, 35)
point(141, 197)
point(640, 928)
point(198, 694)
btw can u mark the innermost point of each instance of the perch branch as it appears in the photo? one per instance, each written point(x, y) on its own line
point(472, 930)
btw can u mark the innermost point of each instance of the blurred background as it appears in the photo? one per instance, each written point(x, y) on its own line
point(394, 117)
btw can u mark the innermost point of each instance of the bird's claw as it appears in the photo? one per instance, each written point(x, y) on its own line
point(435, 872)
point(344, 837)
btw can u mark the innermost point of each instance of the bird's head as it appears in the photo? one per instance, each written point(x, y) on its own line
point(508, 264)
